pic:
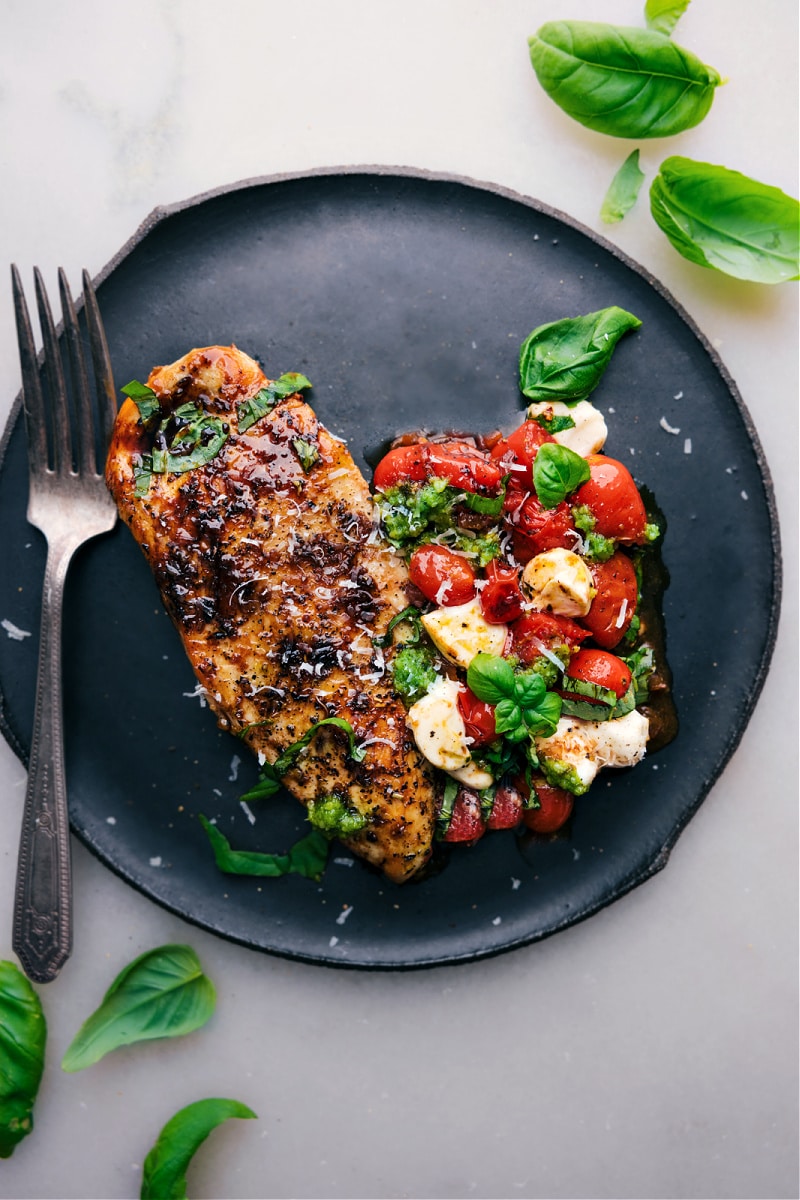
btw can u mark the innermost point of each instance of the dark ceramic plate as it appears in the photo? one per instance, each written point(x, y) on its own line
point(404, 297)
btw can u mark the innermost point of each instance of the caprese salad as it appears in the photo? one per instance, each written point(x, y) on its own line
point(523, 659)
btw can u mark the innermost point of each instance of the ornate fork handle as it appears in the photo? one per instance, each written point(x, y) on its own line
point(42, 928)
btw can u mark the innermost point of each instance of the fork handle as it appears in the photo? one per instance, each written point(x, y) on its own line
point(42, 927)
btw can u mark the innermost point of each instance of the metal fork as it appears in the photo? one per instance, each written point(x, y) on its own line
point(69, 503)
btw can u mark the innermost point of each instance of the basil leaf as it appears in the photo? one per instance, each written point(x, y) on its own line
point(23, 1034)
point(542, 720)
point(307, 857)
point(566, 359)
point(307, 452)
point(557, 471)
point(256, 407)
point(144, 398)
point(491, 678)
point(162, 993)
point(622, 81)
point(197, 437)
point(529, 688)
point(269, 784)
point(623, 190)
point(445, 813)
point(663, 15)
point(285, 760)
point(508, 717)
point(490, 506)
point(164, 1171)
point(411, 614)
point(721, 219)
point(142, 474)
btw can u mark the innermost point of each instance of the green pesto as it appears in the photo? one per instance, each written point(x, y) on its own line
point(414, 672)
point(333, 816)
point(562, 774)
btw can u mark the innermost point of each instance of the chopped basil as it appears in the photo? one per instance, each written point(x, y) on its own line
point(307, 452)
point(445, 814)
point(566, 359)
point(411, 616)
point(142, 474)
point(641, 664)
point(307, 857)
point(256, 407)
point(145, 400)
point(552, 425)
point(557, 472)
point(623, 190)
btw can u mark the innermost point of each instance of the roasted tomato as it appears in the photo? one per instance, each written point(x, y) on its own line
point(536, 629)
point(462, 465)
point(442, 576)
point(613, 499)
point(555, 807)
point(535, 528)
point(478, 718)
point(501, 597)
point(615, 603)
point(507, 808)
point(601, 668)
point(517, 452)
point(466, 823)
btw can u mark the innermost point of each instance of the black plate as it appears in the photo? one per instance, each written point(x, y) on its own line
point(404, 297)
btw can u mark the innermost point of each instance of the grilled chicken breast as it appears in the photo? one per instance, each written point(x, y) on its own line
point(269, 561)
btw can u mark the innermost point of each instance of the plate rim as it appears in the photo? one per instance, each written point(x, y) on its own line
point(634, 879)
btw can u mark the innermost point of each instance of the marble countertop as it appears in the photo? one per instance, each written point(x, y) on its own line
point(648, 1052)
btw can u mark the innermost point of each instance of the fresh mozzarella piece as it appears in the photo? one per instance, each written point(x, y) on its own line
point(473, 776)
point(461, 631)
point(589, 433)
point(438, 726)
point(559, 581)
point(589, 745)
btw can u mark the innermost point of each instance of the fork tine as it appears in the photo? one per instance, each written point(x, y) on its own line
point(62, 434)
point(104, 379)
point(32, 399)
point(80, 380)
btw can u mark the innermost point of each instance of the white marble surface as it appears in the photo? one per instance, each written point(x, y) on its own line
point(649, 1052)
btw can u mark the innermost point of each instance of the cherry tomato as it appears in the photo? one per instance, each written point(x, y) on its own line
point(519, 450)
point(466, 823)
point(601, 668)
point(535, 528)
point(478, 718)
point(613, 500)
point(507, 808)
point(614, 604)
point(501, 597)
point(462, 465)
point(555, 807)
point(537, 629)
point(442, 576)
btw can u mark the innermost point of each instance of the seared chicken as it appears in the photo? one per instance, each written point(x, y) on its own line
point(270, 563)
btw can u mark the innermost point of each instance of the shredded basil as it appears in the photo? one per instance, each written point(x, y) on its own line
point(256, 407)
point(145, 400)
point(307, 452)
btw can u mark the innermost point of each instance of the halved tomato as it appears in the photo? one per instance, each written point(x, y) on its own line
point(535, 528)
point(466, 823)
point(444, 577)
point(478, 718)
point(613, 499)
point(537, 629)
point(516, 453)
point(555, 807)
point(601, 668)
point(613, 607)
point(462, 465)
point(501, 596)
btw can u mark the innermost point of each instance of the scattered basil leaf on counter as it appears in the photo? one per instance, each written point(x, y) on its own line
point(307, 857)
point(566, 359)
point(622, 81)
point(722, 219)
point(557, 472)
point(145, 400)
point(663, 15)
point(256, 407)
point(164, 1171)
point(623, 190)
point(162, 993)
point(23, 1034)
